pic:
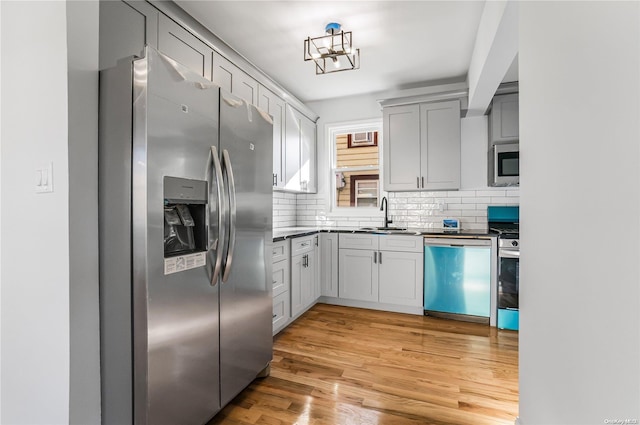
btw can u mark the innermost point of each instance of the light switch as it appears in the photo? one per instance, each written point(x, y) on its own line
point(44, 178)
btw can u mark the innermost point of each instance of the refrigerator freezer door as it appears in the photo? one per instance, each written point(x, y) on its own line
point(176, 322)
point(246, 138)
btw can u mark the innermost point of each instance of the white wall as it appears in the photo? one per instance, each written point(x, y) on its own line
point(580, 144)
point(35, 227)
point(82, 37)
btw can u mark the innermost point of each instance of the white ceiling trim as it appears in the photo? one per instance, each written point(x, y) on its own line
point(494, 52)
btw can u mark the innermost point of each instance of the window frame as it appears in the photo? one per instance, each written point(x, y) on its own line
point(331, 132)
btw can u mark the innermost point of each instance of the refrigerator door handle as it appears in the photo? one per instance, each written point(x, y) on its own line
point(217, 245)
point(226, 162)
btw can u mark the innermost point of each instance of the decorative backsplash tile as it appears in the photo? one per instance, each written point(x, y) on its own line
point(406, 209)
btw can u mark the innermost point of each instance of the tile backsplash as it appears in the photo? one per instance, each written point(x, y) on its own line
point(284, 210)
point(406, 209)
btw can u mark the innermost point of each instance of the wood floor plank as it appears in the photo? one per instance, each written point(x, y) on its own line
point(341, 366)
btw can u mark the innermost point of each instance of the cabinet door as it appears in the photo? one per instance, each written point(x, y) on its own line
point(281, 312)
point(401, 148)
point(358, 275)
point(401, 275)
point(504, 120)
point(293, 131)
point(269, 102)
point(440, 145)
point(329, 264)
point(281, 281)
point(233, 79)
point(297, 271)
point(182, 46)
point(307, 155)
point(308, 283)
point(125, 28)
point(302, 282)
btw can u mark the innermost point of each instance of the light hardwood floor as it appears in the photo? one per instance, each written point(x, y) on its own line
point(339, 365)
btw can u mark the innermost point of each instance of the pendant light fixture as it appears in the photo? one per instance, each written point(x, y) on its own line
point(332, 52)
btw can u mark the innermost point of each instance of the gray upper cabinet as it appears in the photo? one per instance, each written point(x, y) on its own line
point(422, 146)
point(233, 79)
point(125, 28)
point(300, 152)
point(269, 102)
point(504, 119)
point(440, 145)
point(401, 148)
point(293, 126)
point(308, 155)
point(182, 46)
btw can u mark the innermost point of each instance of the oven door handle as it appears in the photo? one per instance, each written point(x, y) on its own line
point(508, 253)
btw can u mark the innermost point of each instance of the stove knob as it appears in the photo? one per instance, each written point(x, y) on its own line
point(514, 243)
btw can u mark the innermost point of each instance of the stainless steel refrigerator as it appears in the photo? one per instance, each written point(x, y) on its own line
point(185, 240)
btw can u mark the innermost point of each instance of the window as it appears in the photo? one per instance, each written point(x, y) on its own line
point(356, 167)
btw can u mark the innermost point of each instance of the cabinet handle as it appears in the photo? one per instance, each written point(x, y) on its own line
point(375, 257)
point(275, 179)
point(275, 281)
point(380, 257)
point(305, 243)
point(316, 241)
point(418, 182)
point(274, 316)
point(423, 182)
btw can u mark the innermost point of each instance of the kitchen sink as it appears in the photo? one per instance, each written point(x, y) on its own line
point(385, 229)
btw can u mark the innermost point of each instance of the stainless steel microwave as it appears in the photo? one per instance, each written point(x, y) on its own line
point(504, 165)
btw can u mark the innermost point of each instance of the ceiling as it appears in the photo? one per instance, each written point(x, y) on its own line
point(403, 44)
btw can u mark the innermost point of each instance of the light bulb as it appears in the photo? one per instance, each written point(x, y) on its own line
point(315, 55)
point(336, 62)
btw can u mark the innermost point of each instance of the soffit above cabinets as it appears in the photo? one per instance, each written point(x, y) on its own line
point(404, 44)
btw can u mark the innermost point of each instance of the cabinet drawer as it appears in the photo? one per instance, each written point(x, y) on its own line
point(302, 245)
point(281, 281)
point(280, 251)
point(401, 243)
point(281, 306)
point(358, 241)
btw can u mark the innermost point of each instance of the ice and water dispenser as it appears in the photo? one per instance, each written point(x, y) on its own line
point(185, 227)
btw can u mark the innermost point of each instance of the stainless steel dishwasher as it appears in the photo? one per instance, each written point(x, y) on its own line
point(457, 278)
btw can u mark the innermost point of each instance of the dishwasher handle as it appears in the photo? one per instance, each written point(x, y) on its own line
point(457, 242)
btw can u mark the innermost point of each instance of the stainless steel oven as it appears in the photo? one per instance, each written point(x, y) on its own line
point(508, 283)
point(504, 221)
point(504, 165)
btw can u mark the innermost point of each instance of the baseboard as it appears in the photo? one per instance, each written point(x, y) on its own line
point(418, 310)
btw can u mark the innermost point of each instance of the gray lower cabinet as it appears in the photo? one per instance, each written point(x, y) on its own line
point(358, 274)
point(422, 146)
point(303, 274)
point(182, 46)
point(233, 79)
point(328, 264)
point(125, 28)
point(281, 285)
point(275, 106)
point(400, 277)
point(386, 269)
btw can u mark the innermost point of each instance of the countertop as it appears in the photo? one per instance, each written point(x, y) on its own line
point(281, 234)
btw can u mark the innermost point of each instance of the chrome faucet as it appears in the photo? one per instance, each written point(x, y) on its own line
point(384, 204)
